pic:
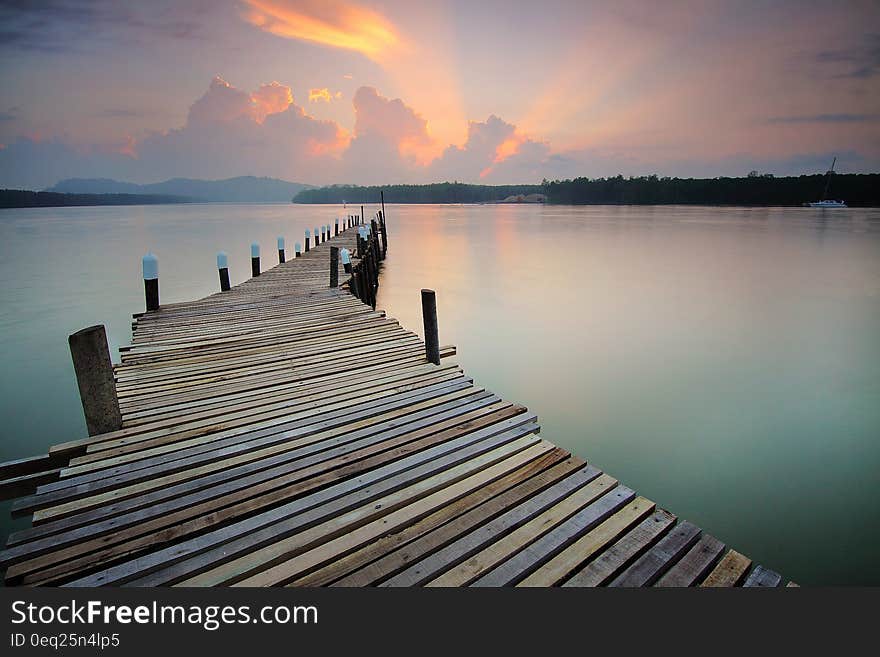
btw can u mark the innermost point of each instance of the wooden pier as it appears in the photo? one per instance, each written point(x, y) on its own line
point(286, 432)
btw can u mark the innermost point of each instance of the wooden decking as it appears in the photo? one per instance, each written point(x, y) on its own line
point(285, 433)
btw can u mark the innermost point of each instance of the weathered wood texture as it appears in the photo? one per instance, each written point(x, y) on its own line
point(284, 432)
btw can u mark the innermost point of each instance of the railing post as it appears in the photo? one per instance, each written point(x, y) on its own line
point(334, 266)
point(297, 250)
point(308, 235)
point(223, 270)
point(151, 281)
point(280, 250)
point(255, 259)
point(336, 228)
point(429, 317)
point(317, 233)
point(94, 378)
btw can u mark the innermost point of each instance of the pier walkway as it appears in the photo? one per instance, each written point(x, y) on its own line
point(286, 433)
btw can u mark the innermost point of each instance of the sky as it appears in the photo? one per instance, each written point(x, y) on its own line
point(351, 91)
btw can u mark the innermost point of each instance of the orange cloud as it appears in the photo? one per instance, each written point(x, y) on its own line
point(271, 99)
point(333, 23)
point(323, 94)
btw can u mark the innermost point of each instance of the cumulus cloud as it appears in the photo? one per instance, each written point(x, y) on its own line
point(494, 151)
point(391, 140)
point(271, 99)
point(232, 132)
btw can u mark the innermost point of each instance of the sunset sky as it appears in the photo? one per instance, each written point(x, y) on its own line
point(328, 91)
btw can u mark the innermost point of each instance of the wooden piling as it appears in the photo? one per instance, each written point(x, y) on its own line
point(280, 250)
point(94, 377)
point(223, 271)
point(334, 266)
point(429, 318)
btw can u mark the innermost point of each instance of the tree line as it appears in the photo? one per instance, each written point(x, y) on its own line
point(20, 198)
point(754, 189)
point(446, 192)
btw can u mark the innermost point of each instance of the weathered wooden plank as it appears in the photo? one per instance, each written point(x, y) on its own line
point(614, 551)
point(542, 550)
point(468, 544)
point(730, 571)
point(344, 538)
point(624, 550)
point(199, 553)
point(492, 555)
point(763, 577)
point(391, 541)
point(667, 551)
point(695, 565)
point(395, 560)
point(287, 458)
point(169, 515)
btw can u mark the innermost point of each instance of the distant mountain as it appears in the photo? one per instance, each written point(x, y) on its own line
point(245, 189)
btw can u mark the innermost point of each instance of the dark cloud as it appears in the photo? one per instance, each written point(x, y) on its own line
point(68, 26)
point(860, 61)
point(826, 118)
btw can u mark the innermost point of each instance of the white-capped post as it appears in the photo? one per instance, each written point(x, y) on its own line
point(151, 281)
point(297, 249)
point(336, 227)
point(323, 233)
point(308, 236)
point(223, 270)
point(317, 232)
point(255, 259)
point(280, 249)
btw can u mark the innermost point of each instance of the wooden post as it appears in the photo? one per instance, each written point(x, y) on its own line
point(362, 215)
point(255, 259)
point(334, 266)
point(336, 228)
point(151, 281)
point(94, 377)
point(384, 234)
point(323, 234)
point(297, 250)
point(429, 317)
point(354, 285)
point(223, 269)
point(382, 198)
point(375, 227)
point(317, 238)
point(307, 239)
point(280, 250)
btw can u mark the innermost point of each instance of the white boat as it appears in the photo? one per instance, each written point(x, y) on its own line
point(825, 202)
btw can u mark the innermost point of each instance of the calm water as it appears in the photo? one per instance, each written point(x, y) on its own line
point(724, 362)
